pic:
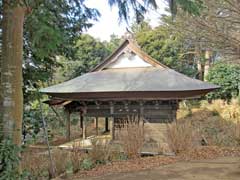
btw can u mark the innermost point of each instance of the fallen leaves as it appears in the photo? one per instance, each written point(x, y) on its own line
point(200, 153)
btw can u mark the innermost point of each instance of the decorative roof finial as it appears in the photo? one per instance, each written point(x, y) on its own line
point(128, 35)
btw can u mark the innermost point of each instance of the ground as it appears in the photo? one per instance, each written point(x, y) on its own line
point(225, 168)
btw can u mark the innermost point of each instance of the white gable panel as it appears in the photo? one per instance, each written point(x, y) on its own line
point(128, 60)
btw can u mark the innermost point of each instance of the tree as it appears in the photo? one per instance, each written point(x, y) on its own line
point(215, 30)
point(166, 47)
point(89, 52)
point(228, 77)
point(11, 70)
point(139, 8)
point(58, 22)
point(113, 43)
point(1, 95)
point(193, 7)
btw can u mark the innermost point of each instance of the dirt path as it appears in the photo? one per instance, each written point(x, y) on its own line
point(227, 168)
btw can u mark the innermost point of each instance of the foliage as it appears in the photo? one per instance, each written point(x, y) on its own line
point(193, 7)
point(166, 47)
point(228, 77)
point(87, 164)
point(9, 161)
point(139, 9)
point(113, 44)
point(33, 125)
point(32, 122)
point(89, 52)
point(51, 30)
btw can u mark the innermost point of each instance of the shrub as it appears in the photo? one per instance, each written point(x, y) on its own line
point(76, 157)
point(87, 164)
point(228, 77)
point(10, 160)
point(117, 156)
point(181, 136)
point(132, 137)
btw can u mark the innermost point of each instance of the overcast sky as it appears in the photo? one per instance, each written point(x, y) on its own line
point(109, 23)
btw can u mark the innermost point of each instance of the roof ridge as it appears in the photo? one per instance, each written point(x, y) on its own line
point(133, 46)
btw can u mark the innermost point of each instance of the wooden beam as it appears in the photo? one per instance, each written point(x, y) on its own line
point(129, 106)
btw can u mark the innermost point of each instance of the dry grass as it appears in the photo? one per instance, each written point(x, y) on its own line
point(38, 164)
point(226, 128)
point(100, 152)
point(131, 136)
point(76, 157)
point(227, 110)
point(35, 164)
point(217, 122)
point(181, 136)
point(60, 161)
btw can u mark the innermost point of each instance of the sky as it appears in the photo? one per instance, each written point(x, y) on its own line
point(108, 23)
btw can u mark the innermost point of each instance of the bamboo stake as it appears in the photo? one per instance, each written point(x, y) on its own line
point(46, 136)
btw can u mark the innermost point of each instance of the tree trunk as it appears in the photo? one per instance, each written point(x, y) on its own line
point(1, 95)
point(207, 63)
point(200, 64)
point(200, 67)
point(11, 75)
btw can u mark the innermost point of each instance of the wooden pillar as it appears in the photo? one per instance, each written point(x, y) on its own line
point(68, 126)
point(106, 125)
point(113, 128)
point(84, 129)
point(96, 125)
point(174, 109)
point(113, 123)
point(81, 121)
